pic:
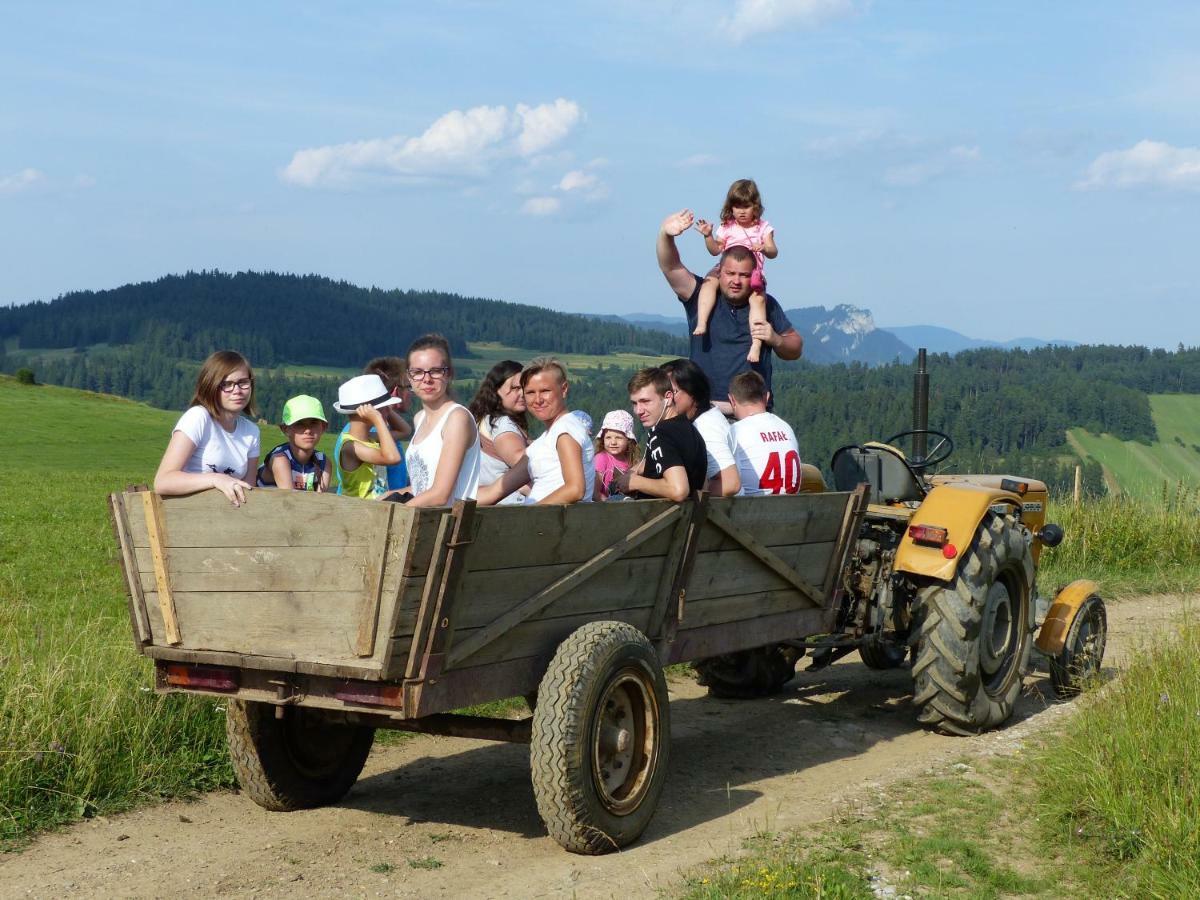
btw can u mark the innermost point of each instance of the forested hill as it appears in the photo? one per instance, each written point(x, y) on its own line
point(276, 319)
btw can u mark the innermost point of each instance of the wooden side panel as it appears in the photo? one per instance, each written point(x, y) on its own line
point(307, 577)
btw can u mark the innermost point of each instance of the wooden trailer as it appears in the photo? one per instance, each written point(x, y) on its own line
point(321, 618)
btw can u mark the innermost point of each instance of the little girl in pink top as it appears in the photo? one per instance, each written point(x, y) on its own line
point(742, 225)
point(616, 450)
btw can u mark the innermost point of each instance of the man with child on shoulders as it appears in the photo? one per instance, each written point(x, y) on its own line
point(721, 352)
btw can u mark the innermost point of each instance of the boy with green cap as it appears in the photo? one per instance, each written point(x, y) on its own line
point(297, 464)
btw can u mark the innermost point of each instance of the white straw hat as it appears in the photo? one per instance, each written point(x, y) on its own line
point(368, 389)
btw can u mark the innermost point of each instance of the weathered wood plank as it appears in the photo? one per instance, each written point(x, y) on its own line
point(777, 521)
point(535, 604)
point(156, 537)
point(424, 615)
point(369, 613)
point(540, 637)
point(728, 637)
point(288, 624)
point(736, 607)
point(731, 572)
point(231, 569)
point(458, 547)
point(129, 568)
point(268, 518)
point(677, 571)
point(525, 536)
point(765, 556)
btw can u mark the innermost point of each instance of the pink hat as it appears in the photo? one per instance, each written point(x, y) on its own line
point(618, 420)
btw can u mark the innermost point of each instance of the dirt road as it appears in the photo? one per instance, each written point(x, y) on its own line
point(438, 817)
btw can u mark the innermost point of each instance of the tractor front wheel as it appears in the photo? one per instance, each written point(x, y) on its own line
point(972, 635)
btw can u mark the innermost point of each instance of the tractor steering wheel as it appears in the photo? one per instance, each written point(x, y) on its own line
point(933, 457)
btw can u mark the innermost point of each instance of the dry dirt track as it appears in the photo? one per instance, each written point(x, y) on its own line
point(737, 767)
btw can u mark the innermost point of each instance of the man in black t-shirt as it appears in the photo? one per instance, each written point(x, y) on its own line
point(675, 463)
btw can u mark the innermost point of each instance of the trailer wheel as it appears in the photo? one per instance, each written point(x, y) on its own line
point(747, 674)
point(972, 635)
point(1079, 661)
point(297, 762)
point(601, 738)
point(880, 654)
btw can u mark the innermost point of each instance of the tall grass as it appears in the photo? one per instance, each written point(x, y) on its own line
point(1123, 782)
point(1132, 545)
point(80, 730)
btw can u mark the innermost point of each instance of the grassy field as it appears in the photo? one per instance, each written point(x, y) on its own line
point(80, 731)
point(1143, 470)
point(487, 354)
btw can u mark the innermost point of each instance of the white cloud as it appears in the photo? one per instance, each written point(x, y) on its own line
point(578, 180)
point(954, 159)
point(751, 17)
point(21, 181)
point(541, 206)
point(1146, 163)
point(697, 161)
point(459, 143)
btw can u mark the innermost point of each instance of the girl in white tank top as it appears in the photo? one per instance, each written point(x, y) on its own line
point(430, 373)
point(422, 458)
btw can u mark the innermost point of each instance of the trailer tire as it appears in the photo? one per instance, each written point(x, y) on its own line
point(298, 762)
point(1079, 660)
point(879, 654)
point(747, 674)
point(597, 781)
point(972, 636)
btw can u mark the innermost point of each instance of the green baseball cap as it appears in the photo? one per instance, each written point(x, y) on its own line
point(303, 407)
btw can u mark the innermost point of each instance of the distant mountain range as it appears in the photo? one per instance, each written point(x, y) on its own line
point(848, 334)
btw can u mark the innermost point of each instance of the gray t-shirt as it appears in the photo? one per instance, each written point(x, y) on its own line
point(721, 352)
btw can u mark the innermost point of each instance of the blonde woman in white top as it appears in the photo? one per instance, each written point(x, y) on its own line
point(443, 456)
point(557, 466)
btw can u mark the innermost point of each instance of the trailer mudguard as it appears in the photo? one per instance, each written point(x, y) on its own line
point(959, 508)
point(1053, 635)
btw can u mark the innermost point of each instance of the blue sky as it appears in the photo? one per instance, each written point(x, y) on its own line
point(1002, 169)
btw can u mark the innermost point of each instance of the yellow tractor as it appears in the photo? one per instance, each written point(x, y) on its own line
point(943, 573)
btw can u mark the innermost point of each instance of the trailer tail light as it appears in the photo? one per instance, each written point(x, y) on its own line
point(370, 694)
point(930, 535)
point(205, 678)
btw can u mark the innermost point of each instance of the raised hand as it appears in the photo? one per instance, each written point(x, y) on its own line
point(677, 223)
point(704, 227)
point(370, 414)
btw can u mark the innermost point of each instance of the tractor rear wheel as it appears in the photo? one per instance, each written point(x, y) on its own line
point(972, 635)
point(748, 673)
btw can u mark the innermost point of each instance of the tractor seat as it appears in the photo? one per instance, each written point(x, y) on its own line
point(881, 466)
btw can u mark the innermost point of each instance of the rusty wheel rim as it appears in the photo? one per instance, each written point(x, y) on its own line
point(625, 740)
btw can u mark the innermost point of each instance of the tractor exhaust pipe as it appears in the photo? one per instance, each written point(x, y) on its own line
point(920, 408)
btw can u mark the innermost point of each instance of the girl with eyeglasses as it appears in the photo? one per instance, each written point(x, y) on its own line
point(443, 456)
point(213, 445)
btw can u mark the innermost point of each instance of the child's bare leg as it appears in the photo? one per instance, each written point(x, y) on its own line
point(704, 304)
point(758, 313)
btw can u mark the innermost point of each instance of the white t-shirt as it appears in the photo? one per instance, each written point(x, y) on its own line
point(719, 442)
point(492, 468)
point(218, 450)
point(545, 471)
point(768, 456)
point(422, 458)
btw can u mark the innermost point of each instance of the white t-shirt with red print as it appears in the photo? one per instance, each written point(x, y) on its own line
point(768, 455)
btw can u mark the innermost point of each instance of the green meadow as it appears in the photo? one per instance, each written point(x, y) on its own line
point(486, 354)
point(1147, 470)
point(81, 733)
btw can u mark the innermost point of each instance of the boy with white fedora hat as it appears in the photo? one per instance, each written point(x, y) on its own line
point(360, 464)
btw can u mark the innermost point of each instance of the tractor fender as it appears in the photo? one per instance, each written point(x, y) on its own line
point(1053, 635)
point(959, 508)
